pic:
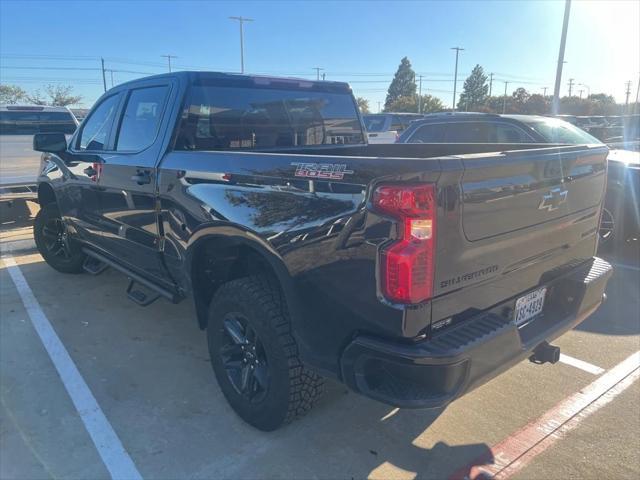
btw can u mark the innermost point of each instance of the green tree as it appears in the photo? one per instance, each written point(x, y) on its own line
point(431, 104)
point(403, 83)
point(474, 92)
point(11, 94)
point(537, 105)
point(410, 104)
point(363, 105)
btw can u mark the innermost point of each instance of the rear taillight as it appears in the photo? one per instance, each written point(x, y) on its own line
point(407, 265)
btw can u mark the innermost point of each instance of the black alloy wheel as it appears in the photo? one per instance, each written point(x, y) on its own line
point(244, 358)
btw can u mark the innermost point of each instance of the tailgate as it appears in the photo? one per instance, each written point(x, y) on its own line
point(524, 218)
point(507, 192)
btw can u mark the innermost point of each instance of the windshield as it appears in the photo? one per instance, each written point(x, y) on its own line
point(559, 131)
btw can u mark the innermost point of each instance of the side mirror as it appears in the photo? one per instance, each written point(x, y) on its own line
point(50, 142)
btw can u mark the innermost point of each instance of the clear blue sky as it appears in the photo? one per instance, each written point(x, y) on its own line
point(358, 42)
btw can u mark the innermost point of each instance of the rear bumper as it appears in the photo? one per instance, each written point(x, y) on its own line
point(432, 373)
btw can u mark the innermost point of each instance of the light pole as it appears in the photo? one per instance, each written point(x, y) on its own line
point(555, 106)
point(455, 77)
point(241, 21)
point(544, 91)
point(169, 57)
point(504, 100)
point(420, 95)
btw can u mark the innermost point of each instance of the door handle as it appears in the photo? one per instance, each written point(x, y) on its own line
point(141, 178)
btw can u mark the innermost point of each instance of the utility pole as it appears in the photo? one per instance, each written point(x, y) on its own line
point(379, 106)
point(504, 100)
point(169, 57)
point(637, 92)
point(420, 94)
point(317, 69)
point(490, 83)
point(555, 106)
point(241, 21)
point(544, 91)
point(104, 78)
point(580, 92)
point(455, 77)
point(627, 93)
point(324, 77)
point(571, 81)
point(587, 87)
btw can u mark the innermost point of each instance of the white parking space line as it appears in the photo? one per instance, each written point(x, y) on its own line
point(515, 452)
point(115, 457)
point(581, 364)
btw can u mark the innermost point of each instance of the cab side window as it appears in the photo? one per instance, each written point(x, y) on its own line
point(141, 119)
point(96, 128)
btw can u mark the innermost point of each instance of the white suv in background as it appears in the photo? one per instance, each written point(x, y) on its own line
point(19, 163)
point(387, 127)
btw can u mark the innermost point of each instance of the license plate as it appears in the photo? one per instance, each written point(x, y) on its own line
point(529, 305)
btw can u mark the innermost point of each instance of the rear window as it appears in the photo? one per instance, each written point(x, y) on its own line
point(31, 122)
point(238, 118)
point(374, 123)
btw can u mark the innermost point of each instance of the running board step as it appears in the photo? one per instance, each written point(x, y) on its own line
point(140, 289)
point(94, 266)
point(140, 294)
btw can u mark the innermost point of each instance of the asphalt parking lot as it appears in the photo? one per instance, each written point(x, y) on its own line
point(148, 371)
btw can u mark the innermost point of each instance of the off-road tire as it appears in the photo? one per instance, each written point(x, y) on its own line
point(73, 260)
point(291, 388)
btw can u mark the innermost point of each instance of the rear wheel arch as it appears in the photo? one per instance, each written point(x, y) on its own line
point(217, 259)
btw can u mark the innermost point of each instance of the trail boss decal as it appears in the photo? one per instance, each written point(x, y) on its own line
point(330, 171)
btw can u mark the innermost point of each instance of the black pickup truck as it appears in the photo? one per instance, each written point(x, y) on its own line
point(412, 273)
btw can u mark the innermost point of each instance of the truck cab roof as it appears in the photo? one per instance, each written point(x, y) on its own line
point(239, 80)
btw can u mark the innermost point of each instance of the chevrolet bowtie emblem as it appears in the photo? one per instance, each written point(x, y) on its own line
point(552, 200)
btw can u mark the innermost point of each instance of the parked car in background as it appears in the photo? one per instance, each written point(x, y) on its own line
point(620, 218)
point(386, 127)
point(19, 163)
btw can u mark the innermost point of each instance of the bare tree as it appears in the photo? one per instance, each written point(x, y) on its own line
point(12, 94)
point(61, 95)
